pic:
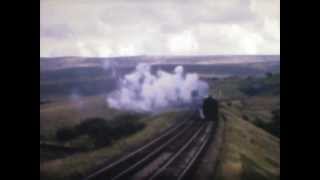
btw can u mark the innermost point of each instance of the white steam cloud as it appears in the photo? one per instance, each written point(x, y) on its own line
point(143, 91)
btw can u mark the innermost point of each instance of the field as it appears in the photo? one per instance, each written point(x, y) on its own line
point(69, 112)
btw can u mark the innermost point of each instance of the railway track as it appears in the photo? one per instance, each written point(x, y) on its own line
point(179, 165)
point(170, 156)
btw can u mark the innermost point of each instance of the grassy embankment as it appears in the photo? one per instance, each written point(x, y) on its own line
point(248, 152)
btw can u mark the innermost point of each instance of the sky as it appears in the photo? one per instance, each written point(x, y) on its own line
point(105, 28)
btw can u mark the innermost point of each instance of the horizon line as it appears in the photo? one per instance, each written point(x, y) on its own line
point(159, 56)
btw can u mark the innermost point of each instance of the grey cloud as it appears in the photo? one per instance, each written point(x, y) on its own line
point(103, 28)
point(58, 31)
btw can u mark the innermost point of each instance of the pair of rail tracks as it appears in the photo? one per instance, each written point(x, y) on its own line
point(169, 156)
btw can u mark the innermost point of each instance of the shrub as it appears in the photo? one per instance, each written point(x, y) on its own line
point(105, 131)
point(272, 127)
point(269, 74)
point(276, 122)
point(95, 128)
point(245, 117)
point(65, 134)
point(102, 131)
point(90, 125)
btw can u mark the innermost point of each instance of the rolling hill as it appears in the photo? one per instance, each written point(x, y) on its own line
point(62, 77)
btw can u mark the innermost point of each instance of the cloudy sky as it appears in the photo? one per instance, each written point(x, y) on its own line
point(159, 27)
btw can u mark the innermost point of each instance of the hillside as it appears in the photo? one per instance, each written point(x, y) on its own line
point(248, 152)
point(244, 87)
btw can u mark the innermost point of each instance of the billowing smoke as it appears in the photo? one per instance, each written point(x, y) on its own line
point(144, 91)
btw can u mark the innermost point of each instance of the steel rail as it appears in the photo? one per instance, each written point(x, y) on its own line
point(174, 157)
point(197, 155)
point(150, 155)
point(168, 133)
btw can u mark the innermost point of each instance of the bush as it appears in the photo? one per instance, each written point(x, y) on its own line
point(89, 126)
point(272, 127)
point(276, 122)
point(125, 127)
point(269, 74)
point(105, 131)
point(65, 134)
point(98, 129)
point(102, 131)
point(245, 117)
point(269, 85)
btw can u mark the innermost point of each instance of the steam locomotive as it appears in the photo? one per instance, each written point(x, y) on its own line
point(209, 109)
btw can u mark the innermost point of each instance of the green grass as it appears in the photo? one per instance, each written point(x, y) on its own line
point(76, 166)
point(252, 171)
point(248, 152)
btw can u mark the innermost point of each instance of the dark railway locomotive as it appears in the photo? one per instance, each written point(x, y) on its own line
point(210, 108)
